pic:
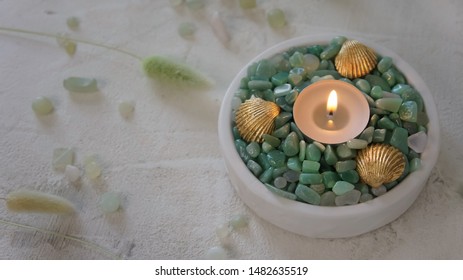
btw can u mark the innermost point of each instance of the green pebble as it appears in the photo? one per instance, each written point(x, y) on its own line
point(342, 187)
point(277, 172)
point(296, 130)
point(330, 156)
point(386, 123)
point(307, 194)
point(247, 4)
point(42, 106)
point(73, 23)
point(412, 128)
point(309, 166)
point(291, 97)
point(376, 92)
point(342, 166)
point(350, 176)
point(330, 178)
point(264, 70)
point(378, 111)
point(267, 175)
point(267, 147)
point(291, 187)
point(422, 118)
point(384, 64)
point(357, 144)
point(236, 133)
point(363, 188)
point(389, 104)
point(281, 193)
point(255, 168)
point(344, 152)
point(280, 78)
point(272, 140)
point(290, 145)
point(379, 135)
point(365, 197)
point(415, 164)
point(302, 150)
point(244, 83)
point(276, 158)
point(409, 111)
point(283, 118)
point(367, 134)
point(399, 139)
point(241, 148)
point(315, 50)
point(411, 94)
point(294, 78)
point(363, 85)
point(399, 77)
point(297, 59)
point(319, 188)
point(389, 77)
point(311, 63)
point(396, 119)
point(276, 18)
point(378, 81)
point(253, 149)
point(330, 51)
point(294, 164)
point(242, 94)
point(350, 198)
point(320, 146)
point(110, 202)
point(310, 178)
point(322, 73)
point(313, 153)
point(259, 85)
point(327, 199)
point(282, 132)
point(262, 159)
point(373, 120)
point(400, 88)
point(80, 84)
point(282, 90)
point(323, 65)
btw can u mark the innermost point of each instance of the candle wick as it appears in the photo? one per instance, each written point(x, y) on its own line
point(330, 114)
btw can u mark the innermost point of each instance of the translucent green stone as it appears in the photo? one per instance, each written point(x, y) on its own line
point(409, 111)
point(363, 188)
point(329, 155)
point(281, 193)
point(350, 176)
point(319, 188)
point(276, 18)
point(363, 85)
point(399, 77)
point(315, 50)
point(247, 4)
point(307, 194)
point(320, 146)
point(384, 64)
point(330, 178)
point(272, 140)
point(330, 51)
point(253, 149)
point(389, 77)
point(373, 120)
point(276, 158)
point(365, 197)
point(323, 65)
point(400, 88)
point(294, 164)
point(62, 157)
point(126, 108)
point(255, 168)
point(283, 118)
point(389, 104)
point(244, 83)
point(80, 84)
point(378, 81)
point(399, 139)
point(309, 166)
point(327, 199)
point(295, 78)
point(282, 90)
point(262, 160)
point(280, 171)
point(322, 73)
point(311, 63)
point(367, 134)
point(236, 133)
point(280, 78)
point(344, 152)
point(297, 59)
point(357, 144)
point(280, 182)
point(110, 202)
point(267, 147)
point(310, 178)
point(379, 135)
point(241, 148)
point(349, 198)
point(376, 92)
point(291, 176)
point(186, 29)
point(267, 175)
point(296, 130)
point(313, 152)
point(415, 164)
point(93, 170)
point(396, 119)
point(338, 40)
point(264, 70)
point(291, 97)
point(291, 187)
point(73, 23)
point(341, 187)
point(291, 145)
point(42, 106)
point(259, 85)
point(422, 118)
point(302, 150)
point(268, 95)
point(386, 123)
point(342, 166)
point(282, 132)
point(411, 94)
point(411, 127)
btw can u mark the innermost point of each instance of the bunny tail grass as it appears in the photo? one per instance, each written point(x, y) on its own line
point(87, 244)
point(39, 202)
point(166, 69)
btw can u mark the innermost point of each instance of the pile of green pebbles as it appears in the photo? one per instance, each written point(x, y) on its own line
point(295, 167)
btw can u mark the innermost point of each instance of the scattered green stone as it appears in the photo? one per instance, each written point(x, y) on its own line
point(363, 85)
point(319, 188)
point(389, 77)
point(262, 159)
point(376, 92)
point(379, 135)
point(373, 120)
point(330, 156)
point(247, 4)
point(386, 123)
point(344, 152)
point(322, 73)
point(291, 97)
point(110, 202)
point(367, 134)
point(266, 147)
point(282, 132)
point(378, 81)
point(310, 178)
point(283, 118)
point(313, 152)
point(399, 139)
point(281, 193)
point(297, 59)
point(357, 144)
point(267, 175)
point(80, 84)
point(302, 150)
point(62, 157)
point(277, 172)
point(400, 88)
point(389, 104)
point(363, 188)
point(280, 182)
point(311, 63)
point(410, 94)
point(330, 51)
point(259, 85)
point(73, 23)
point(309, 166)
point(330, 178)
point(42, 106)
point(409, 111)
point(342, 166)
point(327, 199)
point(349, 198)
point(341, 187)
point(253, 149)
point(384, 64)
point(350, 176)
point(294, 164)
point(92, 170)
point(365, 197)
point(396, 119)
point(315, 50)
point(276, 18)
point(307, 194)
point(264, 70)
point(276, 158)
point(255, 168)
point(282, 90)
point(290, 145)
point(415, 164)
point(280, 78)
point(272, 140)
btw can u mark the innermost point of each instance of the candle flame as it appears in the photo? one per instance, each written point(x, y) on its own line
point(332, 104)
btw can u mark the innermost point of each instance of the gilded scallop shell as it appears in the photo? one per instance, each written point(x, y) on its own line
point(355, 60)
point(256, 117)
point(378, 164)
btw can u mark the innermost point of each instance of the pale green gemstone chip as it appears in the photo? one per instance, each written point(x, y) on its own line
point(42, 106)
point(80, 84)
point(110, 202)
point(276, 18)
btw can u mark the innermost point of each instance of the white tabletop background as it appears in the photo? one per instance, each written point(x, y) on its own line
point(165, 161)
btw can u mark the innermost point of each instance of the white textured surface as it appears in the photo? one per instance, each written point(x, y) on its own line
point(165, 160)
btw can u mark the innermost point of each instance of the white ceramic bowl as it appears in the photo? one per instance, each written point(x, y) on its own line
point(319, 221)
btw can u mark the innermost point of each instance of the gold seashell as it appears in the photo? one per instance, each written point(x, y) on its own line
point(355, 60)
point(378, 164)
point(255, 117)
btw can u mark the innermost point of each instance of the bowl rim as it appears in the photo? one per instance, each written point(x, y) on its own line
point(405, 188)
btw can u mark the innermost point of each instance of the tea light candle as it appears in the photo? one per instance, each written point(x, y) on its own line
point(331, 111)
